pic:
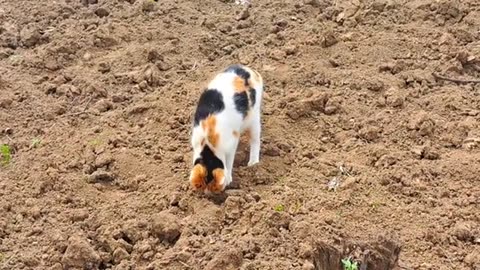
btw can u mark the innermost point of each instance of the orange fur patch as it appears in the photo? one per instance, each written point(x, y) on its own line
point(217, 185)
point(198, 176)
point(239, 84)
point(202, 143)
point(208, 126)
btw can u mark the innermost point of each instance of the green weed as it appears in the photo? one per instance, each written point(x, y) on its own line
point(5, 153)
point(279, 208)
point(349, 265)
point(95, 142)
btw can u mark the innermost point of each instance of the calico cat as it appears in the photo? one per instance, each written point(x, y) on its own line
point(227, 108)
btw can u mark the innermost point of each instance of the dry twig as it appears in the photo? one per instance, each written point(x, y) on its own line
point(443, 78)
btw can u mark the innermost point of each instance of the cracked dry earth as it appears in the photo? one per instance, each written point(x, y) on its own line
point(365, 154)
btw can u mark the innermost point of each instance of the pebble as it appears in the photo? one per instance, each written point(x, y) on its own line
point(101, 176)
point(102, 12)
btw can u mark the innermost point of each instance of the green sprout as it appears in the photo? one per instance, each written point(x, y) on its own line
point(95, 142)
point(279, 208)
point(5, 153)
point(35, 143)
point(349, 265)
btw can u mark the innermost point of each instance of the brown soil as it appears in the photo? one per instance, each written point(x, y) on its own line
point(361, 143)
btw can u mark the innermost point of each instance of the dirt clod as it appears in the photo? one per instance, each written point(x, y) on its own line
point(119, 255)
point(166, 227)
point(80, 254)
point(463, 231)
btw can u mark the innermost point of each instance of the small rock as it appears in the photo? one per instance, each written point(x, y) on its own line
point(162, 65)
point(426, 128)
point(329, 110)
point(10, 36)
point(308, 266)
point(421, 122)
point(244, 14)
point(277, 54)
point(30, 35)
point(305, 251)
point(426, 152)
point(394, 98)
point(379, 5)
point(256, 196)
point(233, 207)
point(374, 85)
point(80, 254)
point(291, 50)
point(5, 103)
point(314, 3)
point(87, 56)
point(119, 255)
point(348, 182)
point(102, 12)
point(8, 131)
point(153, 56)
point(395, 101)
point(124, 265)
point(472, 258)
point(446, 39)
point(178, 158)
point(57, 266)
point(104, 161)
point(303, 108)
point(101, 176)
point(231, 258)
point(369, 133)
point(272, 150)
point(104, 67)
point(463, 231)
point(79, 215)
point(103, 105)
point(175, 199)
point(166, 227)
point(329, 39)
point(5, 53)
point(89, 2)
point(148, 6)
point(119, 98)
point(279, 220)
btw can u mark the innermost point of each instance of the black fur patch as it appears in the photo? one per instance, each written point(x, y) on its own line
point(253, 96)
point(210, 102)
point(241, 103)
point(240, 71)
point(210, 161)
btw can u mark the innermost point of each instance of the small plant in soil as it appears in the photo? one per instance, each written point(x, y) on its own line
point(35, 143)
point(349, 265)
point(5, 153)
point(279, 208)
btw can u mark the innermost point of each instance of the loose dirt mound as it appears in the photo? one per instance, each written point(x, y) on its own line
point(360, 140)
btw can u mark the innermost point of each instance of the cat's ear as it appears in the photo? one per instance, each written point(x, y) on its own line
point(198, 176)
